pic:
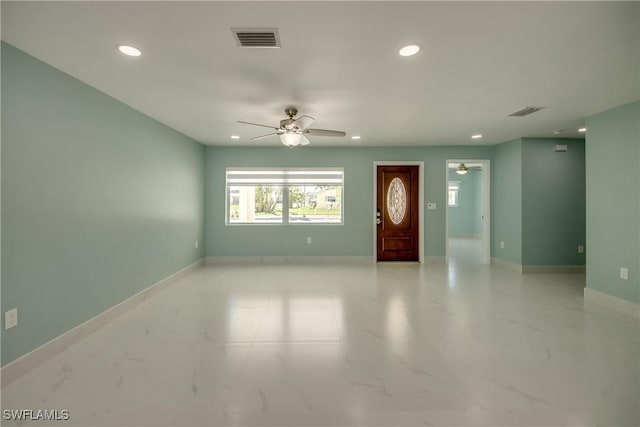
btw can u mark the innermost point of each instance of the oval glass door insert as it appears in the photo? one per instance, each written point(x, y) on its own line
point(396, 201)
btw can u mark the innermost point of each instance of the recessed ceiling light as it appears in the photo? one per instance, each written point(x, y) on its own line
point(129, 50)
point(476, 136)
point(355, 137)
point(409, 50)
point(582, 130)
point(235, 137)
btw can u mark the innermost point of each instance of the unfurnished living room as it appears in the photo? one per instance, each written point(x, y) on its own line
point(320, 213)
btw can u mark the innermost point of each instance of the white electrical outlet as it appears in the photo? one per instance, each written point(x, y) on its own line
point(308, 240)
point(196, 244)
point(580, 249)
point(432, 206)
point(11, 318)
point(624, 273)
point(501, 244)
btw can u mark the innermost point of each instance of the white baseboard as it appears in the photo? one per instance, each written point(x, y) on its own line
point(246, 260)
point(507, 264)
point(618, 304)
point(14, 370)
point(553, 269)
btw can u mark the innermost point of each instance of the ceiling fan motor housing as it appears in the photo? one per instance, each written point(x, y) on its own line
point(286, 124)
point(291, 112)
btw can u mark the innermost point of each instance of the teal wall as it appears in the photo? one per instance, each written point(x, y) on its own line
point(465, 220)
point(538, 202)
point(613, 201)
point(98, 201)
point(506, 202)
point(553, 201)
point(355, 237)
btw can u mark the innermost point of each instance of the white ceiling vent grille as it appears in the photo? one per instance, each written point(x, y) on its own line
point(257, 37)
point(525, 111)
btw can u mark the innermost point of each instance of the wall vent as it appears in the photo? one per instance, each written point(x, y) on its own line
point(525, 111)
point(561, 148)
point(265, 38)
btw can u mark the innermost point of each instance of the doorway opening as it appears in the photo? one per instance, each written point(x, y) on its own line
point(468, 211)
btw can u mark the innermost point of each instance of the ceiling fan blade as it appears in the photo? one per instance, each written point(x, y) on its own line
point(256, 124)
point(324, 132)
point(304, 141)
point(255, 138)
point(303, 122)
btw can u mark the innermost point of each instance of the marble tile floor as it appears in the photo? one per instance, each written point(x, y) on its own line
point(465, 250)
point(342, 345)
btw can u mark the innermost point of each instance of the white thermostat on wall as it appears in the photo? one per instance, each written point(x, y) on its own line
point(431, 206)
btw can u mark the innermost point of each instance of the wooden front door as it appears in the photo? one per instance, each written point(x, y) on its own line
point(397, 213)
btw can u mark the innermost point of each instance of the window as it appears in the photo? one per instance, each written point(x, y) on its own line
point(284, 196)
point(454, 188)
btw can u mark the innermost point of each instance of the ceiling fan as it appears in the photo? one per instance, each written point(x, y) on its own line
point(463, 169)
point(292, 131)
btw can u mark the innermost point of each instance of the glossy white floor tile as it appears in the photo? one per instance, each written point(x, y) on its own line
point(386, 344)
point(465, 250)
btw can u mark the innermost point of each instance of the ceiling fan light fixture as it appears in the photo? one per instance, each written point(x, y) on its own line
point(462, 169)
point(293, 130)
point(291, 139)
point(409, 50)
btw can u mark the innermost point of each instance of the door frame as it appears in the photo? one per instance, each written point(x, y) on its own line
point(486, 207)
point(420, 165)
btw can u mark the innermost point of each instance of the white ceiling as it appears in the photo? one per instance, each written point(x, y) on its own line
point(338, 63)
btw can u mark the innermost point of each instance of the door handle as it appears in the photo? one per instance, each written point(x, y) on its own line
point(378, 216)
point(378, 221)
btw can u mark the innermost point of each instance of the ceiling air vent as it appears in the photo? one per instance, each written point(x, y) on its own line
point(525, 111)
point(256, 37)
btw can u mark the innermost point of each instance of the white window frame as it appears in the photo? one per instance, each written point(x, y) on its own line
point(285, 177)
point(454, 186)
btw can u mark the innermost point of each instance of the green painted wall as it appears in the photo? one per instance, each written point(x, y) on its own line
point(355, 237)
point(613, 201)
point(506, 201)
point(98, 201)
point(465, 219)
point(553, 201)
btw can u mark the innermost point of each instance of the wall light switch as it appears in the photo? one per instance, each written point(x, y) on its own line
point(11, 318)
point(432, 206)
point(196, 244)
point(501, 244)
point(308, 240)
point(624, 273)
point(580, 249)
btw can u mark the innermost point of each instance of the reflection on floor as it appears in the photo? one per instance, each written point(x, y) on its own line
point(465, 250)
point(388, 344)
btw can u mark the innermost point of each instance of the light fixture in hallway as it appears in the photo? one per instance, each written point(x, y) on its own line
point(462, 169)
